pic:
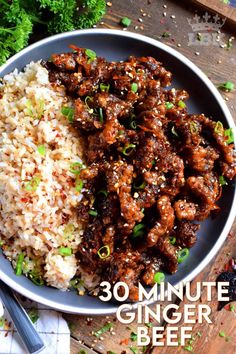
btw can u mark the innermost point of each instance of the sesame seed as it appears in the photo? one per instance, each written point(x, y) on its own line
point(140, 19)
point(197, 53)
point(172, 16)
point(109, 3)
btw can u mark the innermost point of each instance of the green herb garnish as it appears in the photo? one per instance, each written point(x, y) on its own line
point(230, 135)
point(159, 277)
point(172, 240)
point(134, 87)
point(36, 278)
point(181, 104)
point(33, 315)
point(125, 21)
point(76, 168)
point(101, 115)
point(134, 350)
point(226, 86)
point(68, 112)
point(127, 150)
point(221, 334)
point(65, 251)
point(104, 87)
point(169, 105)
point(183, 255)
point(219, 128)
point(19, 264)
point(140, 186)
point(104, 329)
point(90, 54)
point(222, 181)
point(104, 252)
point(138, 230)
point(41, 150)
point(79, 185)
point(133, 336)
point(33, 184)
point(93, 212)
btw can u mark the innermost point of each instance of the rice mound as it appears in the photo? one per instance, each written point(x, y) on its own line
point(38, 192)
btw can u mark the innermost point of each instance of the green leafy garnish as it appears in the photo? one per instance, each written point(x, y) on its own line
point(33, 315)
point(166, 34)
point(134, 87)
point(218, 128)
point(82, 351)
point(104, 252)
point(133, 336)
point(125, 21)
point(181, 104)
point(159, 277)
point(188, 348)
point(41, 150)
point(101, 115)
point(230, 135)
point(104, 87)
point(102, 330)
point(128, 149)
point(32, 185)
point(35, 277)
point(172, 240)
point(65, 251)
point(222, 181)
point(183, 255)
point(90, 54)
point(134, 350)
point(69, 113)
point(169, 105)
point(93, 212)
point(193, 128)
point(232, 308)
point(226, 86)
point(79, 185)
point(76, 168)
point(221, 334)
point(149, 324)
point(139, 230)
point(19, 264)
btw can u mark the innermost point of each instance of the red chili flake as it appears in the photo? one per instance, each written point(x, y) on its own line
point(162, 22)
point(58, 135)
point(24, 200)
point(124, 341)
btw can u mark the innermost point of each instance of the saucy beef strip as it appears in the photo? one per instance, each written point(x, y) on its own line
point(153, 170)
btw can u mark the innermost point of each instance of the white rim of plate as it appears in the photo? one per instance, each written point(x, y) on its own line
point(111, 310)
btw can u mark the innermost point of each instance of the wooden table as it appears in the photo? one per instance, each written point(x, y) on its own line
point(155, 18)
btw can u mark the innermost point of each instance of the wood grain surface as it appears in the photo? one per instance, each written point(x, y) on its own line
point(220, 7)
point(154, 18)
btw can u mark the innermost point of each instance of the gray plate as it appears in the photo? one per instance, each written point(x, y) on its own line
point(204, 97)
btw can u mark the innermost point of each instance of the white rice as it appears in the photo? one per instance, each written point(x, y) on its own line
point(33, 221)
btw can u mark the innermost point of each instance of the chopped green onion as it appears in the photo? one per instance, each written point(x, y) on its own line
point(101, 115)
point(219, 128)
point(33, 314)
point(230, 135)
point(87, 100)
point(166, 34)
point(68, 112)
point(104, 252)
point(29, 107)
point(193, 127)
point(232, 308)
point(41, 108)
point(141, 186)
point(127, 150)
point(65, 251)
point(188, 348)
point(79, 185)
point(182, 255)
point(104, 87)
point(134, 350)
point(149, 324)
point(110, 352)
point(125, 21)
point(1, 321)
point(226, 86)
point(104, 329)
point(93, 212)
point(169, 105)
point(153, 162)
point(76, 283)
point(199, 334)
point(159, 277)
point(103, 192)
point(133, 336)
point(76, 167)
point(41, 150)
point(32, 185)
point(82, 351)
point(90, 54)
point(172, 240)
point(121, 132)
point(36, 278)
point(133, 125)
point(1, 243)
point(138, 230)
point(181, 104)
point(222, 334)
point(19, 263)
point(134, 87)
point(222, 181)
point(174, 132)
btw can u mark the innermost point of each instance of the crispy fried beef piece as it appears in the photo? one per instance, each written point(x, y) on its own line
point(152, 169)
